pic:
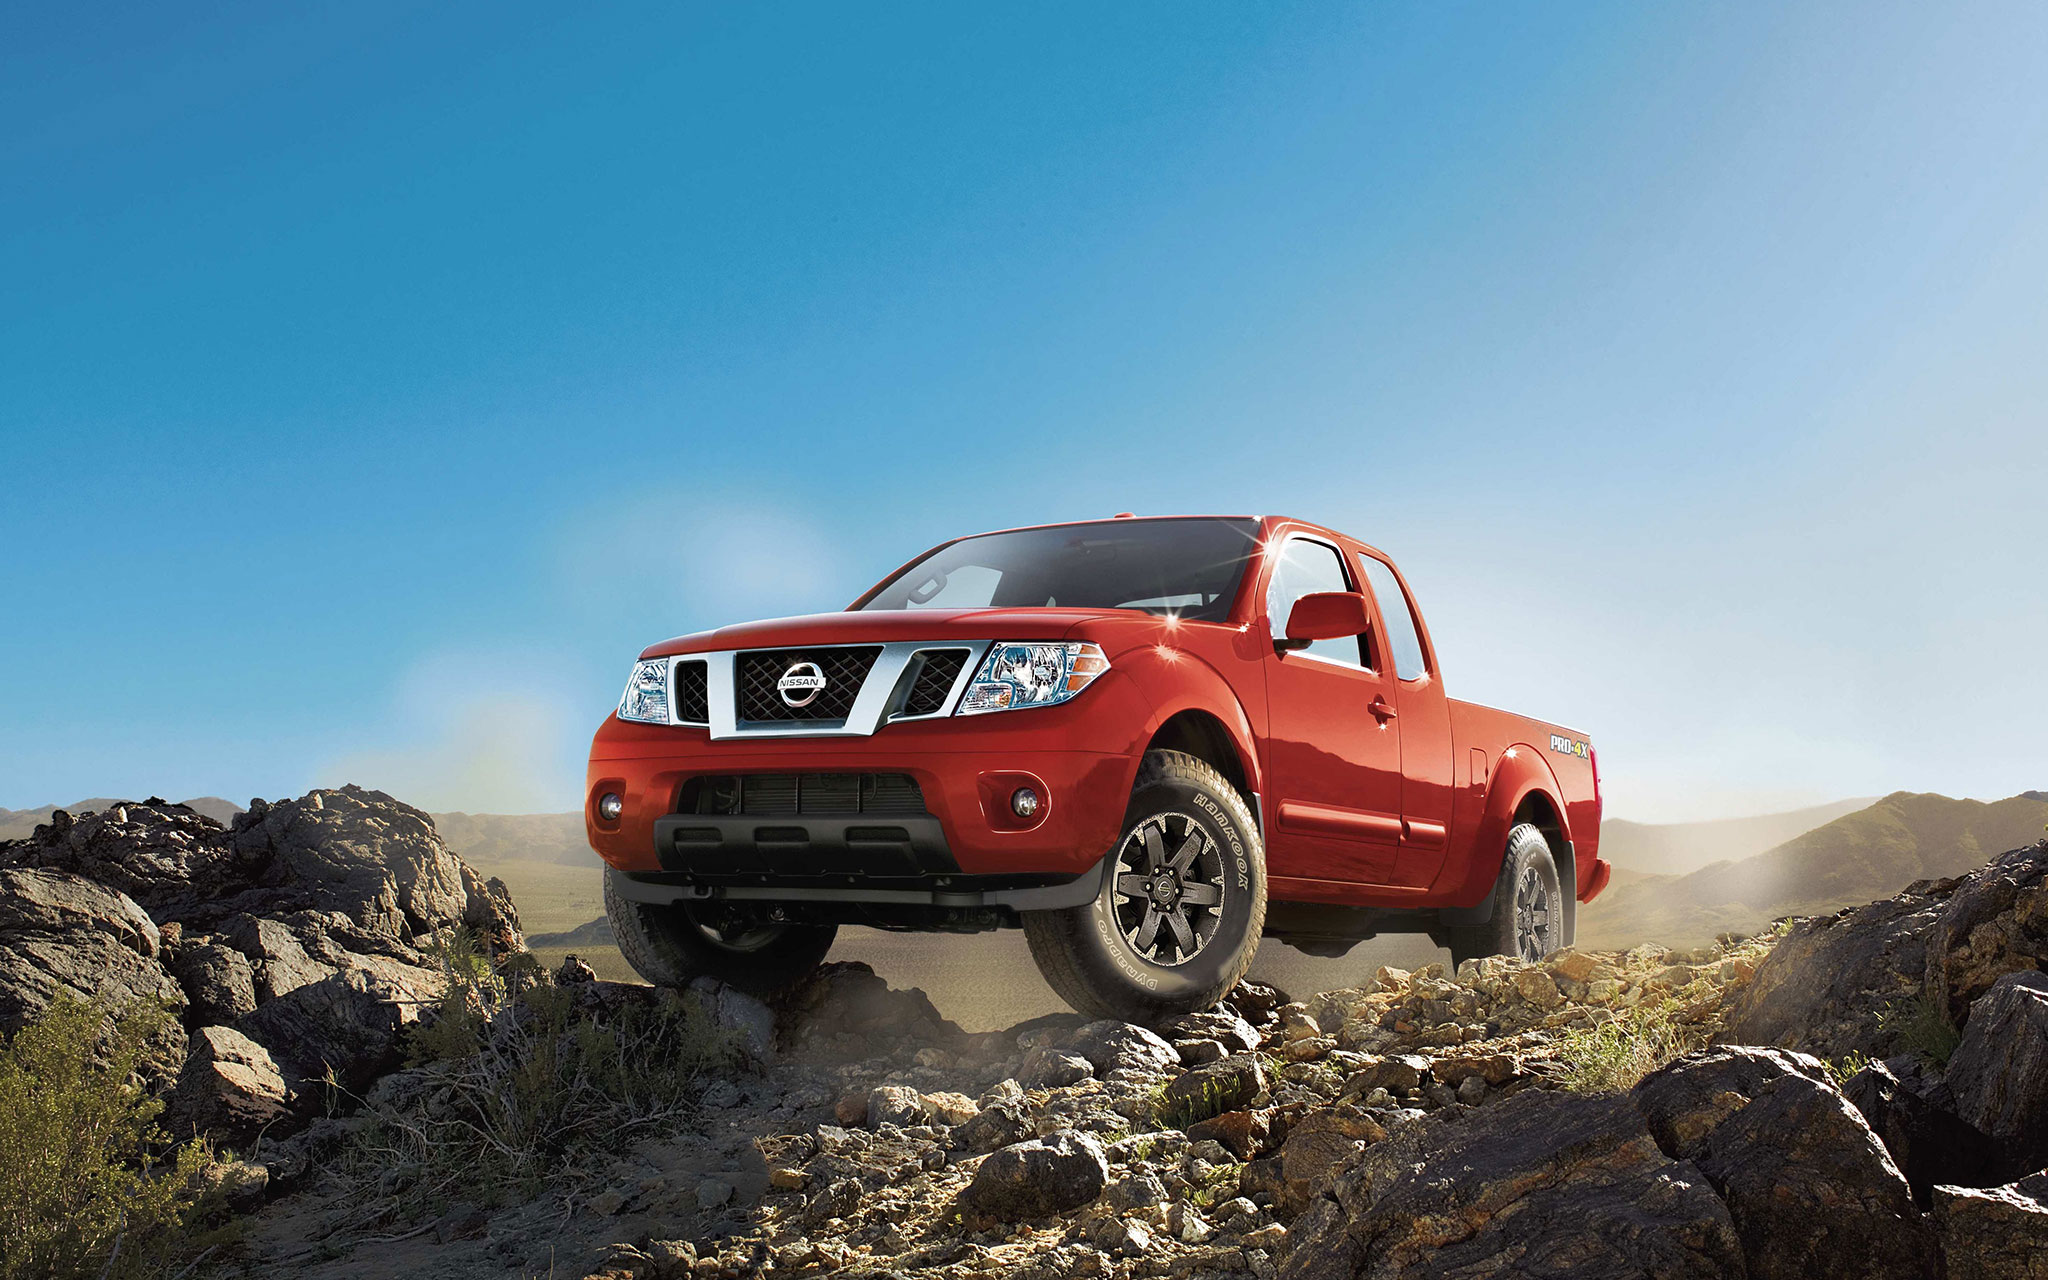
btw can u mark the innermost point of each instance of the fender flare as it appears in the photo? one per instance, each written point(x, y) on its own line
point(1521, 773)
point(1189, 683)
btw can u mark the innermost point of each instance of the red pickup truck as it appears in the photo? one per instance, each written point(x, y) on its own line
point(1147, 742)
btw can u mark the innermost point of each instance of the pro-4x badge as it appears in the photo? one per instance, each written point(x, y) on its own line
point(1569, 746)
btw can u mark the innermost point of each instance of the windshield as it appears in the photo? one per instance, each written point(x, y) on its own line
point(1188, 567)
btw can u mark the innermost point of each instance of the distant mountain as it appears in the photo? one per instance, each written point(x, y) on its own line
point(1681, 847)
point(17, 824)
point(1869, 854)
point(517, 837)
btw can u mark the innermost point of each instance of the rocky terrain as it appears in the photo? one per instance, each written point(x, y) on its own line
point(1866, 1095)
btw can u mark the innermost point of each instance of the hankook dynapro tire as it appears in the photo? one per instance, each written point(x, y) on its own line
point(1528, 919)
point(669, 945)
point(1181, 910)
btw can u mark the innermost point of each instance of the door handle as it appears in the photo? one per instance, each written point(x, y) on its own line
point(1383, 709)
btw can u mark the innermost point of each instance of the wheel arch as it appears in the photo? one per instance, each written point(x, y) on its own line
point(1523, 789)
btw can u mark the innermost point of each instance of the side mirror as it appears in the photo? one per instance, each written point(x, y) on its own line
point(1324, 615)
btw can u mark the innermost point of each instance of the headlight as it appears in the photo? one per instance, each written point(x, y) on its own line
point(1028, 674)
point(646, 697)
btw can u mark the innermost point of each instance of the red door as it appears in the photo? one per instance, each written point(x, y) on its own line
point(1426, 762)
point(1333, 752)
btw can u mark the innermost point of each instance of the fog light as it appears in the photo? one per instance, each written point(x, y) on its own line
point(610, 805)
point(1024, 803)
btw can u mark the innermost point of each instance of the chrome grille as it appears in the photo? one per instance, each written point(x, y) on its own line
point(756, 672)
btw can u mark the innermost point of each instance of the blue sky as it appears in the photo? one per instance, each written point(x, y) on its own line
point(375, 380)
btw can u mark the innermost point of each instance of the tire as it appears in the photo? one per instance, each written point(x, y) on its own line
point(670, 946)
point(1529, 917)
point(1090, 954)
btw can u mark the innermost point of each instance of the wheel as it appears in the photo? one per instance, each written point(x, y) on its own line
point(1528, 920)
point(671, 945)
point(1180, 913)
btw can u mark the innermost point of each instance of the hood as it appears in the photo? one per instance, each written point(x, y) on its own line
point(879, 626)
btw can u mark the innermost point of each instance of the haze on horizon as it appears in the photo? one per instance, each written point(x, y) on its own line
point(379, 381)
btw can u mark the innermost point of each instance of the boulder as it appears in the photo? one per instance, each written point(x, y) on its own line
point(61, 934)
point(1827, 987)
point(1037, 1179)
point(1999, 1074)
point(230, 1088)
point(165, 857)
point(739, 1014)
point(1110, 1045)
point(351, 1023)
point(1543, 1185)
point(1315, 1147)
point(1810, 1188)
point(217, 979)
point(1927, 1141)
point(278, 962)
point(846, 1010)
point(2000, 1233)
point(1228, 1084)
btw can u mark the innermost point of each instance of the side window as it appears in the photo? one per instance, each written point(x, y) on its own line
point(1403, 641)
point(1306, 567)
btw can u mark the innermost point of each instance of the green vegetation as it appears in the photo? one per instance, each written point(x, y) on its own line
point(522, 1087)
point(1615, 1054)
point(1920, 1024)
point(1840, 1070)
point(88, 1185)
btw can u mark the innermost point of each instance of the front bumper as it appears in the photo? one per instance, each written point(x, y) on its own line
point(967, 768)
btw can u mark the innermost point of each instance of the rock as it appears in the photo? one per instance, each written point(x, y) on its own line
point(1254, 1001)
point(1492, 1068)
point(1538, 988)
point(1229, 1084)
point(229, 1088)
point(1122, 1237)
point(1242, 1133)
point(894, 1104)
point(1573, 966)
point(846, 1010)
point(997, 1125)
point(160, 856)
point(744, 1016)
point(1397, 1074)
point(241, 1186)
point(572, 970)
point(1140, 1190)
point(1543, 1185)
point(713, 1193)
point(1472, 1090)
point(1824, 987)
point(353, 1022)
point(1316, 1147)
point(1109, 1046)
point(1046, 1068)
point(217, 980)
point(370, 858)
point(1995, 1234)
point(1297, 1023)
point(1810, 1188)
point(950, 1108)
point(1999, 1074)
point(1037, 1179)
point(1193, 1053)
point(1927, 1141)
point(608, 1202)
point(1220, 1025)
point(278, 962)
point(61, 934)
